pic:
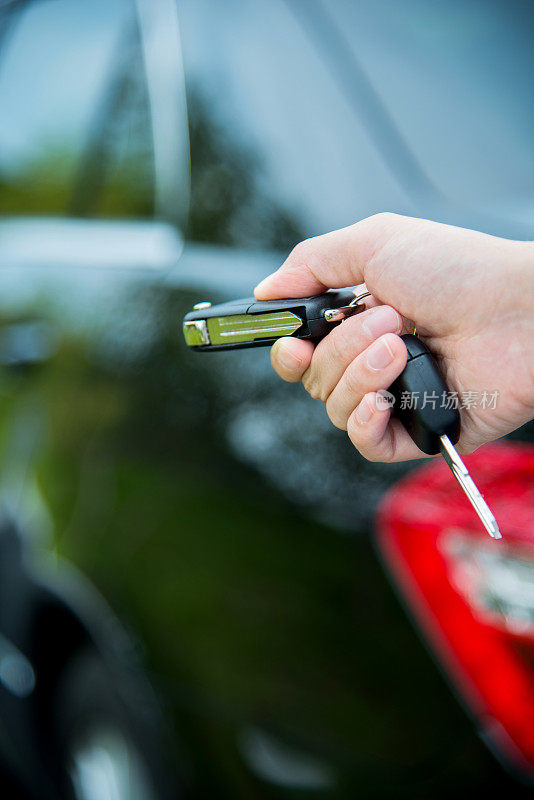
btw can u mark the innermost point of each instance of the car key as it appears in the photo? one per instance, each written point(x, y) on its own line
point(254, 323)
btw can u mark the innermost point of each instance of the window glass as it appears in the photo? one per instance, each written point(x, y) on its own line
point(75, 137)
point(347, 108)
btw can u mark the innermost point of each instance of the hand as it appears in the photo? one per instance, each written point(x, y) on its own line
point(471, 296)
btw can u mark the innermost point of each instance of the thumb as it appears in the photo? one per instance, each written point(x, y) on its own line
point(331, 261)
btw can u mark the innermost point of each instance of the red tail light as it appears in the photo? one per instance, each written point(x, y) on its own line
point(472, 596)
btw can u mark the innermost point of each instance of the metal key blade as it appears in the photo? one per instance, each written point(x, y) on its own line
point(461, 473)
point(248, 327)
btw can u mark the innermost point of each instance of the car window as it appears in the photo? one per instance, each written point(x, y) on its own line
point(274, 97)
point(456, 78)
point(66, 145)
point(356, 107)
point(90, 126)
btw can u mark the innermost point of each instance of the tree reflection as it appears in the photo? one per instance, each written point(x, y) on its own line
point(229, 202)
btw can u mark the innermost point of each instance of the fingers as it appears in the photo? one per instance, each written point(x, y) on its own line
point(321, 368)
point(333, 260)
point(348, 370)
point(291, 358)
point(376, 435)
point(343, 344)
point(369, 424)
point(375, 368)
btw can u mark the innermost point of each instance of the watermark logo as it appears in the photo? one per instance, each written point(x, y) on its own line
point(467, 401)
point(384, 400)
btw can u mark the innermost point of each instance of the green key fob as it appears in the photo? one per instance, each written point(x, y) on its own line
point(255, 323)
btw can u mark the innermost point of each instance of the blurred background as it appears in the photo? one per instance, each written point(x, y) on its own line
point(191, 604)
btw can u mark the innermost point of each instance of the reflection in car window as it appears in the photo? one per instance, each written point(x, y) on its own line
point(453, 90)
point(75, 136)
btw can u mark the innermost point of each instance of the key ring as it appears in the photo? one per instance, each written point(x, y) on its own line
point(359, 297)
point(354, 307)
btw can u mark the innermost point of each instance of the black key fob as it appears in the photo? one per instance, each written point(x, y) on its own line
point(422, 399)
point(253, 323)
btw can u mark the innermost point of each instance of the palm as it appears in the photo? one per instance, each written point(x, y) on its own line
point(475, 331)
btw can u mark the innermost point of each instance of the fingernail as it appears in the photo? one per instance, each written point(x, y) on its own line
point(287, 359)
point(364, 412)
point(379, 355)
point(383, 319)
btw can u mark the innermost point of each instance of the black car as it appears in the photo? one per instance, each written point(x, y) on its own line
point(155, 154)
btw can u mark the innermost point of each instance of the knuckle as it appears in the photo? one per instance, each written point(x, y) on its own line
point(341, 341)
point(307, 253)
point(300, 252)
point(365, 448)
point(311, 381)
point(385, 218)
point(312, 388)
point(352, 379)
point(370, 455)
point(307, 382)
point(376, 454)
point(334, 415)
